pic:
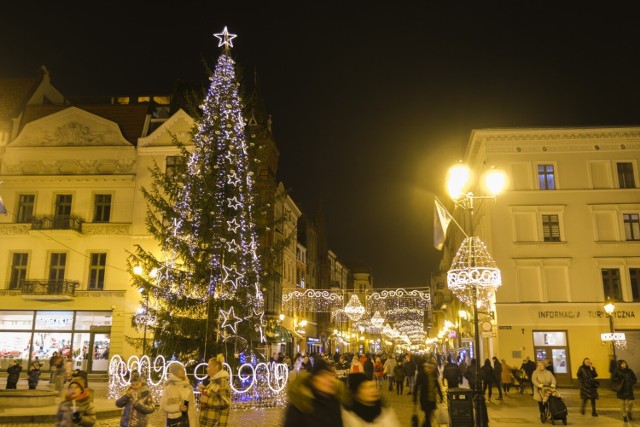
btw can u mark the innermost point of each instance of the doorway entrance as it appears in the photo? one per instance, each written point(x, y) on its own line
point(551, 347)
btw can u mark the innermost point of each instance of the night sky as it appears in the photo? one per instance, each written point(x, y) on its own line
point(370, 104)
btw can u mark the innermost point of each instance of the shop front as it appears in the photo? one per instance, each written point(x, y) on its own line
point(563, 334)
point(83, 336)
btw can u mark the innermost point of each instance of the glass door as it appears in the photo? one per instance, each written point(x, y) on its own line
point(100, 344)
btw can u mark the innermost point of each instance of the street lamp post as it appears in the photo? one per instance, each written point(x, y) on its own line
point(473, 275)
point(609, 308)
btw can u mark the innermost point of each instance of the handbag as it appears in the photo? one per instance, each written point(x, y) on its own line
point(616, 386)
point(442, 415)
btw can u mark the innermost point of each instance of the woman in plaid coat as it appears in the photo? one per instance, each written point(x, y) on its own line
point(215, 399)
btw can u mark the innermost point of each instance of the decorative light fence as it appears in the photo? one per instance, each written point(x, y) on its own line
point(259, 385)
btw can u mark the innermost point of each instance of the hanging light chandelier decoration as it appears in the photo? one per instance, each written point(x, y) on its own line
point(377, 320)
point(474, 275)
point(354, 309)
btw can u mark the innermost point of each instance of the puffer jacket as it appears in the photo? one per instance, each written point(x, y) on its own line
point(627, 378)
point(83, 405)
point(309, 408)
point(175, 392)
point(136, 407)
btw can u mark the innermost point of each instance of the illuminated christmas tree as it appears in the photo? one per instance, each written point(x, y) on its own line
point(203, 293)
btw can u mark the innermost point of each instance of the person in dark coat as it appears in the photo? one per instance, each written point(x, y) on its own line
point(315, 398)
point(625, 378)
point(368, 367)
point(410, 372)
point(451, 373)
point(497, 376)
point(588, 385)
point(34, 376)
point(13, 374)
point(529, 367)
point(470, 374)
point(486, 372)
point(427, 389)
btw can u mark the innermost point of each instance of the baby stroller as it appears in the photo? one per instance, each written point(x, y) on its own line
point(554, 407)
point(520, 379)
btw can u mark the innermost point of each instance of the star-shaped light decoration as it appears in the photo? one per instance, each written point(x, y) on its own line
point(233, 202)
point(233, 178)
point(233, 225)
point(224, 38)
point(230, 320)
point(232, 246)
point(231, 275)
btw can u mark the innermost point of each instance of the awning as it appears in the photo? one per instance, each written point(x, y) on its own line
point(280, 334)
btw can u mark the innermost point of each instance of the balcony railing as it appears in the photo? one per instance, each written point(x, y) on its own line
point(49, 287)
point(58, 222)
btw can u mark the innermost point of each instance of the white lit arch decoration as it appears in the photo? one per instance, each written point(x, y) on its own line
point(253, 385)
point(312, 300)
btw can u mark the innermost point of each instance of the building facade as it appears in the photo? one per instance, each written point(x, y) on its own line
point(566, 238)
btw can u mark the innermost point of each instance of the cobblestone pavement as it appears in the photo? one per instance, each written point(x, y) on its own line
point(514, 410)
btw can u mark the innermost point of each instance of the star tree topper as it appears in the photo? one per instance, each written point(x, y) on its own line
point(224, 38)
point(230, 320)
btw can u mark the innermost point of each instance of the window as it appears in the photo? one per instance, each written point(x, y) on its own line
point(625, 175)
point(26, 203)
point(57, 266)
point(63, 211)
point(551, 228)
point(611, 284)
point(631, 226)
point(96, 270)
point(176, 165)
point(102, 208)
point(18, 270)
point(634, 279)
point(546, 177)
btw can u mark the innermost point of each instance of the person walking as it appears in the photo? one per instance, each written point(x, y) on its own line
point(76, 409)
point(588, 385)
point(365, 407)
point(497, 375)
point(137, 403)
point(410, 372)
point(398, 377)
point(215, 397)
point(529, 367)
point(540, 378)
point(389, 367)
point(470, 374)
point(378, 372)
point(13, 374)
point(368, 366)
point(451, 373)
point(506, 376)
point(487, 377)
point(625, 378)
point(427, 389)
point(177, 399)
point(315, 399)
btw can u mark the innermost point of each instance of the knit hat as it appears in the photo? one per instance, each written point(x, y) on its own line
point(320, 365)
point(355, 379)
point(79, 381)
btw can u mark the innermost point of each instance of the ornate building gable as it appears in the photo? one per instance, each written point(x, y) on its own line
point(69, 142)
point(180, 124)
point(71, 127)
